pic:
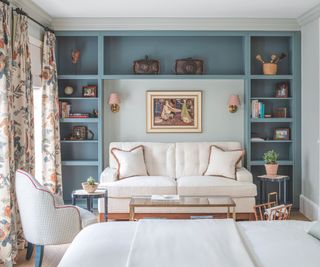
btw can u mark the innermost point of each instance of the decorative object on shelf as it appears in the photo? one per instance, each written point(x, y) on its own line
point(271, 68)
point(75, 56)
point(94, 114)
point(174, 111)
point(81, 133)
point(89, 91)
point(270, 159)
point(267, 115)
point(280, 112)
point(189, 66)
point(282, 90)
point(64, 109)
point(233, 103)
point(90, 186)
point(68, 90)
point(146, 66)
point(281, 134)
point(114, 102)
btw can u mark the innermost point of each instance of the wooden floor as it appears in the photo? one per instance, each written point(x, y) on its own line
point(53, 254)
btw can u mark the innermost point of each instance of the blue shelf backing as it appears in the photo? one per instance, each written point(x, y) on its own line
point(221, 54)
point(80, 163)
point(88, 61)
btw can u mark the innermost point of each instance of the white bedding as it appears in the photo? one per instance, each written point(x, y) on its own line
point(188, 243)
point(268, 243)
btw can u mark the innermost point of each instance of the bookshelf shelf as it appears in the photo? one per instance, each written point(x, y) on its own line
point(82, 120)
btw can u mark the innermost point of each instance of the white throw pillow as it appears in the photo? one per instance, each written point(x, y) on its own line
point(130, 163)
point(223, 163)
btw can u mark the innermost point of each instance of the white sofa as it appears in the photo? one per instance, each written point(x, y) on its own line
point(176, 168)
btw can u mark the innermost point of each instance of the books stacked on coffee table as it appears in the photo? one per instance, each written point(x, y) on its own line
point(165, 197)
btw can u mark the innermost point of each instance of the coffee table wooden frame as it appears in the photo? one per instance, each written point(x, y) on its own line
point(145, 201)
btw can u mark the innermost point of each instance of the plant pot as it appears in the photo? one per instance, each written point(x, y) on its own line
point(89, 188)
point(271, 169)
point(270, 68)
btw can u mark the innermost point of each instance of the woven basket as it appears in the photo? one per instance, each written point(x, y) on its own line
point(270, 68)
point(89, 188)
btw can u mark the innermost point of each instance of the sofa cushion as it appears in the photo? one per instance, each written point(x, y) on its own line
point(192, 158)
point(214, 185)
point(159, 157)
point(130, 162)
point(142, 186)
point(223, 163)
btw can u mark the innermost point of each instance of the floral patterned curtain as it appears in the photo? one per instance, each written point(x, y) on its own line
point(16, 127)
point(6, 138)
point(51, 151)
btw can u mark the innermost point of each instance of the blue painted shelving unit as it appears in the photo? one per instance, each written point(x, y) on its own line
point(227, 55)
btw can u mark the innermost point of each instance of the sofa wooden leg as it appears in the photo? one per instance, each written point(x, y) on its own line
point(30, 248)
point(39, 255)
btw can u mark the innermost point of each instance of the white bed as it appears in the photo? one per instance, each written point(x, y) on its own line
point(188, 243)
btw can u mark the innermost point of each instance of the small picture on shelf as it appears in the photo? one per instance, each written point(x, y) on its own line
point(80, 132)
point(281, 134)
point(282, 90)
point(280, 112)
point(89, 91)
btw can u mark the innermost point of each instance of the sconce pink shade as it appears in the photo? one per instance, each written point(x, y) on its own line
point(114, 99)
point(234, 100)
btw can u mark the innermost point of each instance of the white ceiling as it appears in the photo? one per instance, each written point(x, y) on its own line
point(177, 8)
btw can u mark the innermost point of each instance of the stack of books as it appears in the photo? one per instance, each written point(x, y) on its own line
point(78, 115)
point(257, 109)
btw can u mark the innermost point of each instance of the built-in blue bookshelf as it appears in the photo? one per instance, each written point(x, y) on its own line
point(227, 55)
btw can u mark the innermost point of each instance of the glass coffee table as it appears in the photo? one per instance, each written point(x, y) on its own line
point(183, 202)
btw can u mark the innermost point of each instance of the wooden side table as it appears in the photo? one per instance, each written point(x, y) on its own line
point(280, 179)
point(100, 193)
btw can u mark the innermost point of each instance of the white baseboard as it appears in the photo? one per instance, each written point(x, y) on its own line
point(309, 209)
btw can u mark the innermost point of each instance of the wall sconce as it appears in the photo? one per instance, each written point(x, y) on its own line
point(233, 103)
point(114, 101)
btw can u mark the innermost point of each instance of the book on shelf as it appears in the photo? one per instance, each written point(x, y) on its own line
point(79, 115)
point(64, 109)
point(257, 109)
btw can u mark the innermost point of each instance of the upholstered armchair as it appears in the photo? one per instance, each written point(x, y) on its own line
point(45, 219)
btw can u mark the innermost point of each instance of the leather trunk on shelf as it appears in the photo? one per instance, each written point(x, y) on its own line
point(146, 66)
point(189, 66)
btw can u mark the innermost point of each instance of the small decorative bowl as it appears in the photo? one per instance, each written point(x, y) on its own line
point(90, 188)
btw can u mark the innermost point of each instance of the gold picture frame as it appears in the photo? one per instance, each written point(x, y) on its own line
point(174, 111)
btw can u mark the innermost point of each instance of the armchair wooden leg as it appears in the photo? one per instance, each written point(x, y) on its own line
point(29, 251)
point(39, 255)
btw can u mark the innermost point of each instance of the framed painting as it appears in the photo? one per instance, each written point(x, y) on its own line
point(174, 111)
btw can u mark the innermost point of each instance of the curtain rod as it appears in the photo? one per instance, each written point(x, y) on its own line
point(5, 2)
point(21, 12)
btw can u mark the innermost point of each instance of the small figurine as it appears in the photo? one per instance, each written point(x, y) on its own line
point(75, 56)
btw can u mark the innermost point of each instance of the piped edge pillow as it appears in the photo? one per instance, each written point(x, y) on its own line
point(315, 230)
point(130, 162)
point(223, 163)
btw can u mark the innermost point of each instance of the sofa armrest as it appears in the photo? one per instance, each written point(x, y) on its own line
point(243, 175)
point(108, 175)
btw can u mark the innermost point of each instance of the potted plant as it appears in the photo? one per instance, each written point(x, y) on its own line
point(90, 186)
point(270, 158)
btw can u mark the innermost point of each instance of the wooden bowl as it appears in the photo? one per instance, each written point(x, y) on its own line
point(90, 188)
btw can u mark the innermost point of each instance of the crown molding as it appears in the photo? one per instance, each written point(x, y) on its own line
point(34, 11)
point(309, 16)
point(78, 24)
